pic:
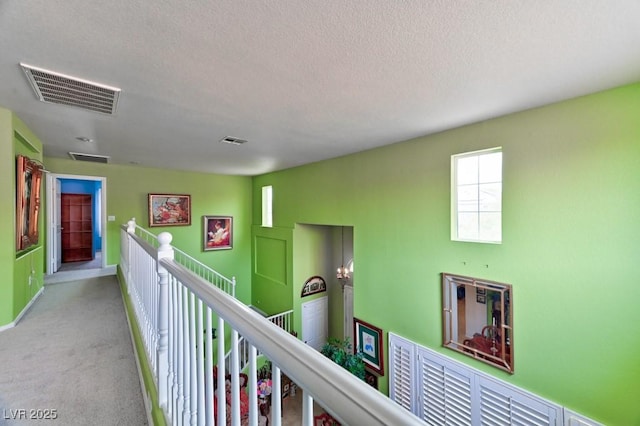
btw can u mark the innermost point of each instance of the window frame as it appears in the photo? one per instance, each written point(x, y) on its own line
point(455, 205)
point(267, 206)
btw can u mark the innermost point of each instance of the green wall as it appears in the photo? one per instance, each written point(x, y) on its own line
point(272, 287)
point(127, 189)
point(22, 272)
point(7, 227)
point(571, 239)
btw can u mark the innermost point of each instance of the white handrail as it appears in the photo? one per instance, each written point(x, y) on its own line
point(346, 397)
point(174, 307)
point(194, 265)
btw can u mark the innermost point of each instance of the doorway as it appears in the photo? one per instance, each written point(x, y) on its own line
point(86, 220)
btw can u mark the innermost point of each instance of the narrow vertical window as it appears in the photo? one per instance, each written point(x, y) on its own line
point(267, 206)
point(476, 196)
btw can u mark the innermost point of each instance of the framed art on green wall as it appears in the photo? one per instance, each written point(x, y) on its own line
point(28, 178)
point(368, 340)
point(218, 232)
point(169, 210)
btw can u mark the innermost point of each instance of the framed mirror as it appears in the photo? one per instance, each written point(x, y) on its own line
point(477, 319)
point(28, 179)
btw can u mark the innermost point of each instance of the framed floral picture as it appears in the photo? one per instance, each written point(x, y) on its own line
point(217, 232)
point(169, 210)
point(368, 340)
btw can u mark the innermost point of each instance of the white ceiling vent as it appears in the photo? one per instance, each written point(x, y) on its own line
point(232, 140)
point(53, 87)
point(92, 158)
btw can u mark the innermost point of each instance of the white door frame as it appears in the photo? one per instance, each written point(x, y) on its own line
point(53, 205)
point(347, 303)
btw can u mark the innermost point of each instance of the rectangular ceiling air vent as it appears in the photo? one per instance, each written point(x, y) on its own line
point(56, 88)
point(232, 140)
point(92, 158)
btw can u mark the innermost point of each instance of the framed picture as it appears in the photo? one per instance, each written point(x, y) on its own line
point(217, 232)
point(368, 340)
point(371, 379)
point(169, 210)
point(28, 178)
point(313, 285)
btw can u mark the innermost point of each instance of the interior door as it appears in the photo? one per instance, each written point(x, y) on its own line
point(315, 322)
point(58, 225)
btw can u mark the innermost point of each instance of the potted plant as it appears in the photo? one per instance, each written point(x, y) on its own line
point(339, 351)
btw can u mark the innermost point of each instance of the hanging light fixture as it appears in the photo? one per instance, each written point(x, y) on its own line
point(343, 272)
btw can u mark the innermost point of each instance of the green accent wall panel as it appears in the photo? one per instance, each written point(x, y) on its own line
point(271, 276)
point(272, 268)
point(571, 239)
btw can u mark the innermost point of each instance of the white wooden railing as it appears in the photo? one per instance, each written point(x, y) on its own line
point(176, 307)
point(283, 320)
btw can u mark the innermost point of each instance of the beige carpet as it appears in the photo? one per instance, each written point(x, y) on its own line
point(71, 353)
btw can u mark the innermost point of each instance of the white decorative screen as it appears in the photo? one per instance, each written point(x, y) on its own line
point(443, 391)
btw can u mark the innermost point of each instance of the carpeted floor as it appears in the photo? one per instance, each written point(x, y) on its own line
point(71, 358)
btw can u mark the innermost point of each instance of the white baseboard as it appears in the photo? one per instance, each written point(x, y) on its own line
point(21, 314)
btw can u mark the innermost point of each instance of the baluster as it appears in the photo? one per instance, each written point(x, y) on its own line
point(180, 333)
point(193, 367)
point(186, 377)
point(170, 346)
point(253, 386)
point(176, 346)
point(222, 403)
point(276, 396)
point(307, 409)
point(208, 370)
point(235, 380)
point(200, 355)
point(131, 229)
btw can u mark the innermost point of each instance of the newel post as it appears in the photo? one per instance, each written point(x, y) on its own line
point(165, 251)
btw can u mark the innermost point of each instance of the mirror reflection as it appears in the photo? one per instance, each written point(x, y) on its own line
point(28, 178)
point(477, 319)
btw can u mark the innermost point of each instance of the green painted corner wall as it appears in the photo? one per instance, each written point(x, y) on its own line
point(127, 196)
point(7, 227)
point(571, 203)
point(271, 272)
point(23, 271)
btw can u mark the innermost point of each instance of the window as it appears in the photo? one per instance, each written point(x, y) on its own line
point(476, 196)
point(267, 206)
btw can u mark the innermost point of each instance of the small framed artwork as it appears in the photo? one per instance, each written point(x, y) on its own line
point(217, 232)
point(169, 210)
point(313, 285)
point(371, 379)
point(368, 340)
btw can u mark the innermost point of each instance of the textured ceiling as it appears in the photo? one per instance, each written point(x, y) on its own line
point(302, 81)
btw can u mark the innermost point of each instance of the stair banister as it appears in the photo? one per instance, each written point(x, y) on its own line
point(346, 397)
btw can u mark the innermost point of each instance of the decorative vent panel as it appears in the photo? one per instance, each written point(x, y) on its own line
point(56, 88)
point(92, 158)
point(233, 140)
